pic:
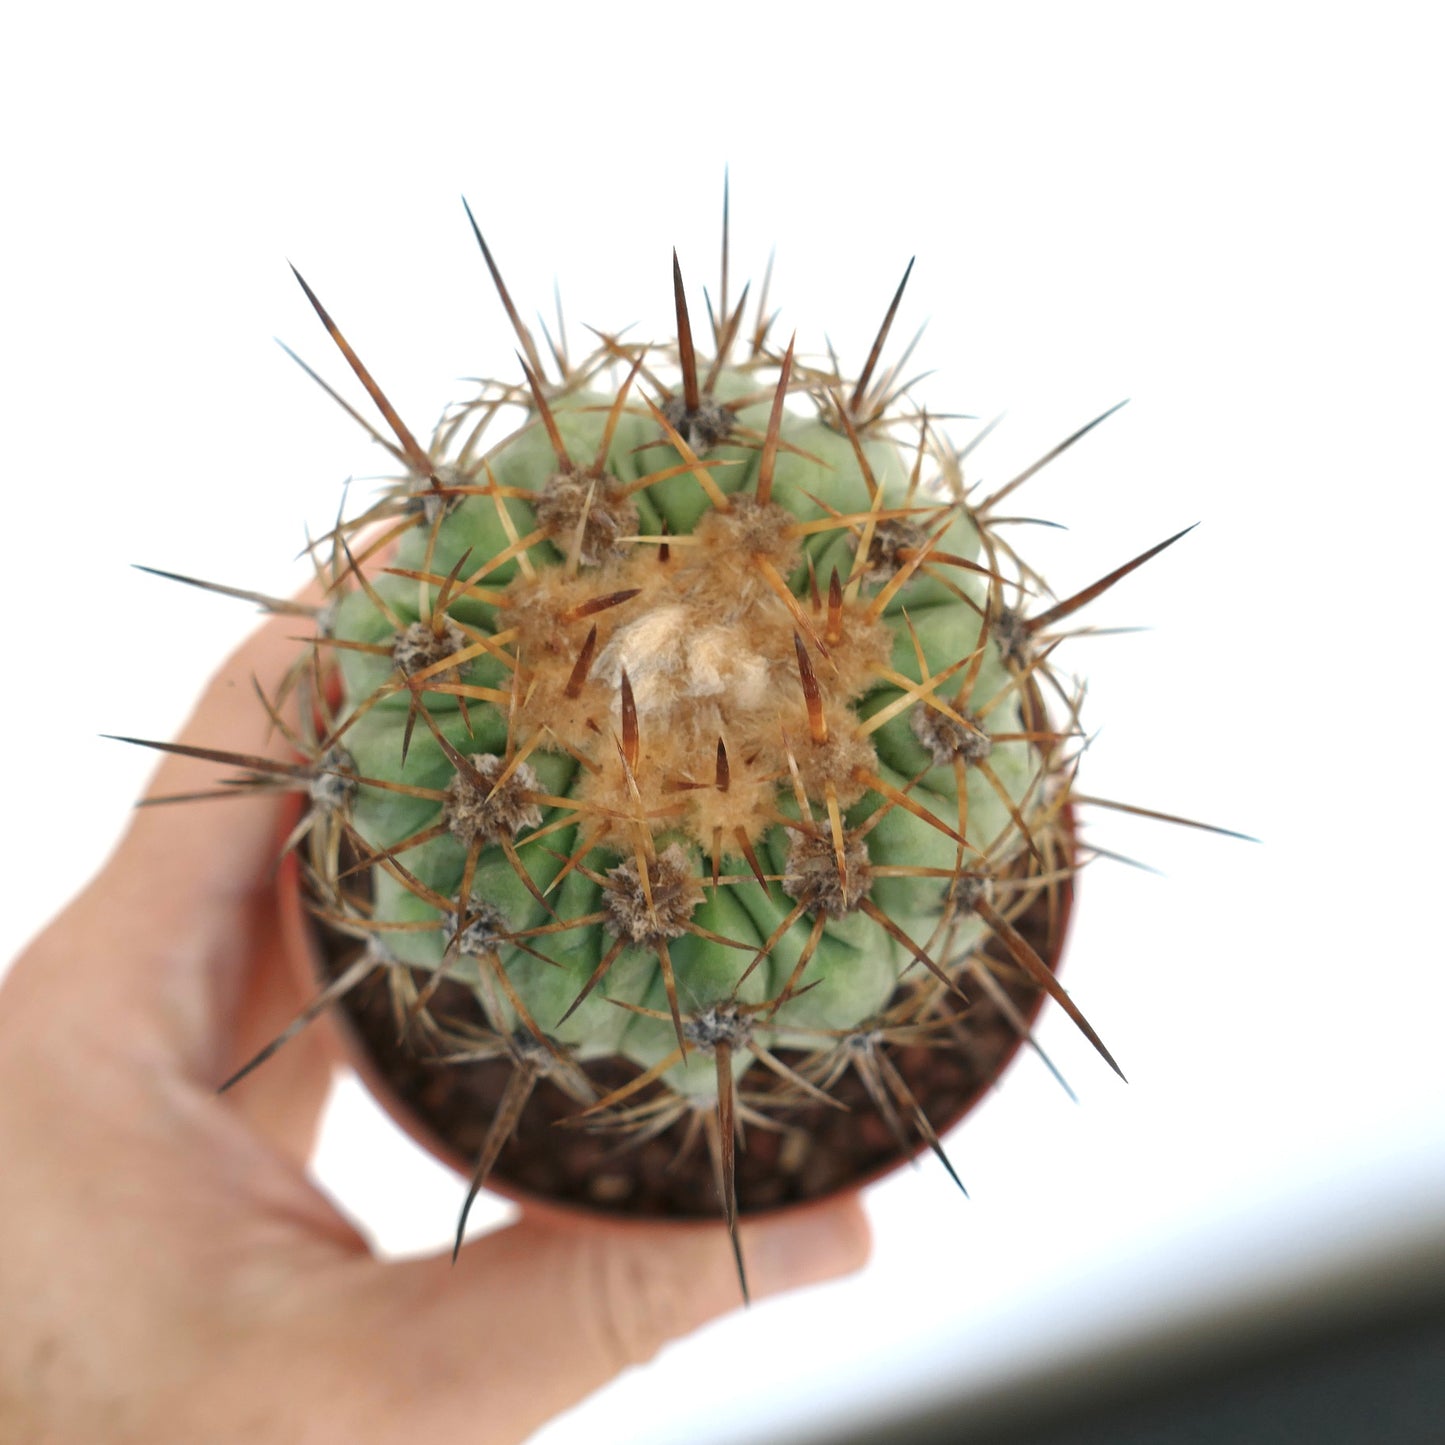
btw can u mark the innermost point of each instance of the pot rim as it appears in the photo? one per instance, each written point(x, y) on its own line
point(298, 932)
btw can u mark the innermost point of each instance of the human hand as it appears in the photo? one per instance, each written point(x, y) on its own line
point(170, 1274)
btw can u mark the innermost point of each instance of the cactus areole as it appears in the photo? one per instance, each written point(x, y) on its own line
point(683, 762)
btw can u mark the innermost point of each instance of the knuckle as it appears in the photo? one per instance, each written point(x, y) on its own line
point(638, 1301)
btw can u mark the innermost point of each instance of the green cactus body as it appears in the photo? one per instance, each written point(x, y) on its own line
point(758, 722)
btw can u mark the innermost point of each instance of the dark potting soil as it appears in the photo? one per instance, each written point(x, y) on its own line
point(822, 1150)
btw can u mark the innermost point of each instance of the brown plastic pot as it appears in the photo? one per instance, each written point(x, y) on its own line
point(447, 1108)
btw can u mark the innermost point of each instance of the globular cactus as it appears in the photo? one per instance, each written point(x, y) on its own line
point(692, 753)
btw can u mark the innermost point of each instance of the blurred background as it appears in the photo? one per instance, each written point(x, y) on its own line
point(1228, 214)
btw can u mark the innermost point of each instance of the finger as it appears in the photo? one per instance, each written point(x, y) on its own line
point(158, 943)
point(281, 1102)
point(211, 854)
point(537, 1316)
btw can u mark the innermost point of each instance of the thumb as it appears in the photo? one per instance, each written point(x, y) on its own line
point(556, 1308)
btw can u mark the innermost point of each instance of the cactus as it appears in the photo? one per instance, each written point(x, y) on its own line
point(701, 735)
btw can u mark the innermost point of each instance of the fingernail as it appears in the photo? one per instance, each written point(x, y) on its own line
point(806, 1247)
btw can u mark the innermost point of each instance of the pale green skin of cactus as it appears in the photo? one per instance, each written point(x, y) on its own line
point(857, 965)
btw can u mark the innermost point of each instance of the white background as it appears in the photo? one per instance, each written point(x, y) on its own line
point(1227, 213)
